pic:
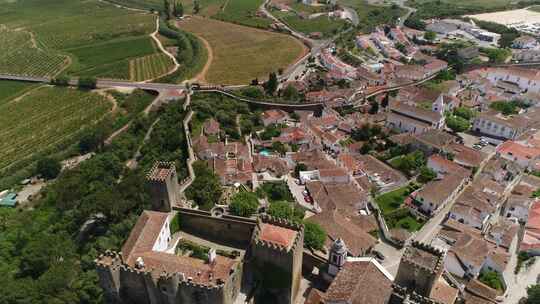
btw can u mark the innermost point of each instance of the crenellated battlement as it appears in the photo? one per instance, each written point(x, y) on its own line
point(161, 171)
point(279, 222)
point(410, 258)
point(410, 296)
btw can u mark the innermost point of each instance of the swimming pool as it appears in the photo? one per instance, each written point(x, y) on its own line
point(265, 152)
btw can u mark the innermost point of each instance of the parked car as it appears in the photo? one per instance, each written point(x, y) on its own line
point(379, 256)
point(305, 193)
point(308, 199)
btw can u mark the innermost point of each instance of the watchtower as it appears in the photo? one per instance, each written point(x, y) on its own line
point(337, 257)
point(277, 250)
point(164, 188)
point(420, 268)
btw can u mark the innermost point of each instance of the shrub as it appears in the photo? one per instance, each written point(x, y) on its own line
point(314, 236)
point(244, 204)
point(48, 168)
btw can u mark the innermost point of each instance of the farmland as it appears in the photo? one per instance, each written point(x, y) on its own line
point(12, 89)
point(149, 67)
point(442, 8)
point(233, 46)
point(243, 12)
point(44, 118)
point(90, 60)
point(99, 38)
point(20, 55)
point(323, 24)
point(208, 8)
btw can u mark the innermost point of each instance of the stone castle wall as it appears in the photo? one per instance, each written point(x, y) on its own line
point(229, 230)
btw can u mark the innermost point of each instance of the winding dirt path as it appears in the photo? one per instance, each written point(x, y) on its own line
point(162, 49)
point(201, 76)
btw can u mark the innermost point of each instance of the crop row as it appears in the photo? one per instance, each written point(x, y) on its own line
point(45, 117)
point(150, 67)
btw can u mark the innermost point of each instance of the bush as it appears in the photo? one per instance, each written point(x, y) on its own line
point(206, 188)
point(457, 124)
point(244, 204)
point(314, 236)
point(175, 224)
point(426, 175)
point(87, 83)
point(286, 210)
point(491, 279)
point(48, 168)
point(278, 191)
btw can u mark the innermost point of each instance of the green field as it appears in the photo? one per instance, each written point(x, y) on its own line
point(150, 67)
point(91, 58)
point(323, 24)
point(395, 215)
point(99, 38)
point(12, 89)
point(535, 8)
point(443, 8)
point(243, 12)
point(44, 118)
point(20, 55)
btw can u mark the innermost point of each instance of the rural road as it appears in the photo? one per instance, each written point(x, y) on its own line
point(161, 48)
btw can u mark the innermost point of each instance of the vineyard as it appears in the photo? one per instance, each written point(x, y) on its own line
point(19, 55)
point(110, 60)
point(45, 117)
point(99, 38)
point(150, 67)
point(12, 89)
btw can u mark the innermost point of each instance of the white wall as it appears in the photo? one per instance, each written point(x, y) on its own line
point(164, 237)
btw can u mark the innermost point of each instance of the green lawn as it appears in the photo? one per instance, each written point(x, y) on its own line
point(395, 216)
point(391, 201)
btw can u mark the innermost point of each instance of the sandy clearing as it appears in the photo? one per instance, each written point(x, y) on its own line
point(509, 17)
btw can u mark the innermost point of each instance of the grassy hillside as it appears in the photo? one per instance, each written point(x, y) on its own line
point(241, 53)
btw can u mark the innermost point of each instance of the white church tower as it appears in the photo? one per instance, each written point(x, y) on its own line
point(337, 257)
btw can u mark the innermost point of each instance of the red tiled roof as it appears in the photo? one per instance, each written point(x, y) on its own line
point(277, 235)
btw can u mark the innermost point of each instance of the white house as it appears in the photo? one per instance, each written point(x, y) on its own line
point(412, 119)
point(525, 42)
point(436, 194)
point(526, 79)
point(499, 126)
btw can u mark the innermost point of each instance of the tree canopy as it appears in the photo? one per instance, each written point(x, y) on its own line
point(314, 235)
point(206, 188)
point(244, 204)
point(48, 168)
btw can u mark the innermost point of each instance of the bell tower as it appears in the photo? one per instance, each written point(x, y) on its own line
point(337, 257)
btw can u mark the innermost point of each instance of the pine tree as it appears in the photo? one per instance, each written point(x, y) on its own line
point(271, 84)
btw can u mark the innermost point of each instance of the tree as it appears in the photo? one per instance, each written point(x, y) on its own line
point(533, 294)
point(385, 101)
point(426, 175)
point(430, 36)
point(93, 140)
point(178, 9)
point(314, 236)
point(279, 147)
point(457, 124)
point(374, 109)
point(492, 279)
point(272, 84)
point(88, 83)
point(206, 188)
point(196, 7)
point(278, 191)
point(244, 204)
point(286, 210)
point(290, 93)
point(48, 168)
point(299, 167)
point(60, 81)
point(167, 9)
point(464, 113)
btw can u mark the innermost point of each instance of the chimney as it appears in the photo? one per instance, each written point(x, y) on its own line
point(211, 255)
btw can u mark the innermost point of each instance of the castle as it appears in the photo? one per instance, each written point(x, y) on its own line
point(150, 269)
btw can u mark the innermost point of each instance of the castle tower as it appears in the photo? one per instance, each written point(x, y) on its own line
point(337, 257)
point(164, 188)
point(420, 268)
point(277, 252)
